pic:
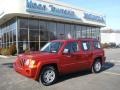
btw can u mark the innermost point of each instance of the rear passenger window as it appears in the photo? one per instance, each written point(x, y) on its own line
point(86, 45)
point(97, 45)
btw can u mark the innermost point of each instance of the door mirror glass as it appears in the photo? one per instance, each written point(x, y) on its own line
point(66, 51)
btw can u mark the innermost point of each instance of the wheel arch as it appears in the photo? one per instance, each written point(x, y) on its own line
point(48, 64)
point(97, 58)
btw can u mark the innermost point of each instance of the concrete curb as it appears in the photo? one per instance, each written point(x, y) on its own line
point(2, 56)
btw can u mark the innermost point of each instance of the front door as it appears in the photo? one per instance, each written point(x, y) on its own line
point(69, 58)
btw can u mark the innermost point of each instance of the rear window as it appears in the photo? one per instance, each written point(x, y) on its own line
point(86, 45)
point(97, 45)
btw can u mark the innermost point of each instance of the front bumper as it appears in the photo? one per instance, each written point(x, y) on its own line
point(25, 71)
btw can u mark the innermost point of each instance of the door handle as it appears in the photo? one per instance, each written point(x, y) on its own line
point(68, 56)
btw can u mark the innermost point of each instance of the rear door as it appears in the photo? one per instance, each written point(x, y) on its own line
point(86, 53)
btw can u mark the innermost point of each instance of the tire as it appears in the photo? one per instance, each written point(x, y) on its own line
point(97, 66)
point(48, 75)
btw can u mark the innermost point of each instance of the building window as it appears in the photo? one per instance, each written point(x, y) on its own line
point(34, 46)
point(88, 32)
point(98, 33)
point(23, 23)
point(60, 31)
point(68, 31)
point(78, 31)
point(43, 31)
point(14, 35)
point(22, 46)
point(84, 31)
point(73, 31)
point(7, 31)
point(11, 36)
point(51, 27)
point(23, 35)
point(93, 32)
point(34, 35)
point(33, 24)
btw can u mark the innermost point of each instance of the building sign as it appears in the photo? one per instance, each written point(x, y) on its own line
point(40, 7)
point(95, 18)
point(50, 9)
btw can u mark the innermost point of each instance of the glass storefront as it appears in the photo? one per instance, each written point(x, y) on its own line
point(32, 34)
point(8, 33)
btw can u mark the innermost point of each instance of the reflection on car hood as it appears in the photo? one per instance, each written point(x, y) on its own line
point(41, 55)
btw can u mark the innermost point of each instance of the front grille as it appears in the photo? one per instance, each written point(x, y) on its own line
point(21, 62)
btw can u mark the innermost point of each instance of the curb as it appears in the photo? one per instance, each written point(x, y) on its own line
point(1, 56)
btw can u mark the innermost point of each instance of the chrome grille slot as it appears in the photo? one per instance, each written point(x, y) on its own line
point(21, 62)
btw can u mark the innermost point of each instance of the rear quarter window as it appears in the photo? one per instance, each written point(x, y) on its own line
point(97, 45)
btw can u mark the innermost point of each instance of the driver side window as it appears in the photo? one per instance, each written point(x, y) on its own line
point(72, 47)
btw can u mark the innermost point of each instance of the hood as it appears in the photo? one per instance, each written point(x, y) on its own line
point(38, 55)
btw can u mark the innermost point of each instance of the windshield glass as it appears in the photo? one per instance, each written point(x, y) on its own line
point(51, 47)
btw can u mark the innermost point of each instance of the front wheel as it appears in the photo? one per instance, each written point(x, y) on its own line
point(48, 75)
point(97, 66)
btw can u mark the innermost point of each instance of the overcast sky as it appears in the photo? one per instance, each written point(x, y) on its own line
point(110, 8)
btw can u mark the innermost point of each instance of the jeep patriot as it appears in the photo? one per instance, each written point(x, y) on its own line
point(59, 57)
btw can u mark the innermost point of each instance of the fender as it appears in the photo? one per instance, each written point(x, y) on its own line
point(94, 58)
point(40, 65)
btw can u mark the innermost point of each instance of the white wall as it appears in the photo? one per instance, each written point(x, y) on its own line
point(110, 37)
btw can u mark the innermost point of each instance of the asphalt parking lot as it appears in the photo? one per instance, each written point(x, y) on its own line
point(108, 79)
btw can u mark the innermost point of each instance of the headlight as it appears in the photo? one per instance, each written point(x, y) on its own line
point(27, 62)
point(30, 63)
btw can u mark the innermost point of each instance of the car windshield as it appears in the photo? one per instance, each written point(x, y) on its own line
point(51, 47)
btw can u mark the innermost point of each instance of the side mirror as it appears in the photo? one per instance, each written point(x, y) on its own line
point(66, 51)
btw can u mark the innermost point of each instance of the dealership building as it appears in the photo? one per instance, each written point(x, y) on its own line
point(29, 24)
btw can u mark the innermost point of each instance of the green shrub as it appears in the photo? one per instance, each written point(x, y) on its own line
point(105, 45)
point(12, 49)
point(8, 51)
point(0, 50)
point(5, 51)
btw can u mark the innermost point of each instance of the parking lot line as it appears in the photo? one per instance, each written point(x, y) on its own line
point(118, 74)
point(117, 64)
point(117, 61)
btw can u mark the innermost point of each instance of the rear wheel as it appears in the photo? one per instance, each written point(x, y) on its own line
point(97, 66)
point(48, 75)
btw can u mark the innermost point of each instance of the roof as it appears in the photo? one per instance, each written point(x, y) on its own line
point(81, 39)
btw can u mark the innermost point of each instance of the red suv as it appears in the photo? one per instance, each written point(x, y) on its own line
point(60, 57)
